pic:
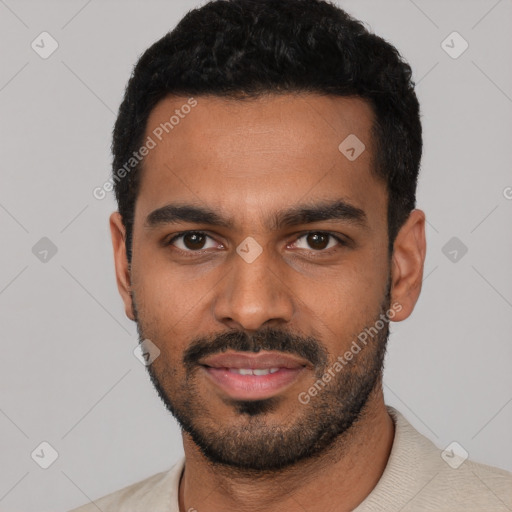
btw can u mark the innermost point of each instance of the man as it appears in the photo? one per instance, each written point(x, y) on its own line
point(266, 156)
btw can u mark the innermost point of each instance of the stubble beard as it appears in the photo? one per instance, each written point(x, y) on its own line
point(255, 444)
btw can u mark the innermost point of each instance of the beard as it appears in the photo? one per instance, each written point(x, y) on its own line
point(254, 443)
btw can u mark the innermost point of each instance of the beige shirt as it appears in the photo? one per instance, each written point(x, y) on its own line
point(416, 478)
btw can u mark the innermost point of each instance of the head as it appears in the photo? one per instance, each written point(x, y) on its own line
point(270, 152)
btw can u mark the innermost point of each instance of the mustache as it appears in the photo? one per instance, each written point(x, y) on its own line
point(307, 347)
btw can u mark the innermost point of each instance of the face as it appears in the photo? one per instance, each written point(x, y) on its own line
point(259, 259)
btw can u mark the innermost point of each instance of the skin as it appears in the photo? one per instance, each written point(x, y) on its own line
point(247, 160)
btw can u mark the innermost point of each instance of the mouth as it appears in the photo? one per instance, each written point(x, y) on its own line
point(245, 376)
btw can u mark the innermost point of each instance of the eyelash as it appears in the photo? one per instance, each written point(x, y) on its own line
point(190, 253)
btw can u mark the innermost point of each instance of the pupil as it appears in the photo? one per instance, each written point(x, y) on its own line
point(313, 240)
point(196, 240)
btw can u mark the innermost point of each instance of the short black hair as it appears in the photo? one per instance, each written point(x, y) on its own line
point(241, 49)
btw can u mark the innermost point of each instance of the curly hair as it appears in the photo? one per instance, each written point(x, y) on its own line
point(241, 49)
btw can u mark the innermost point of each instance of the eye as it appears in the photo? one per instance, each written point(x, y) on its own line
point(197, 241)
point(191, 241)
point(319, 241)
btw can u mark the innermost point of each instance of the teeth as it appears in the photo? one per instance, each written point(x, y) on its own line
point(261, 372)
point(253, 371)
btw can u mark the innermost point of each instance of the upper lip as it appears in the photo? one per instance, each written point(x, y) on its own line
point(250, 361)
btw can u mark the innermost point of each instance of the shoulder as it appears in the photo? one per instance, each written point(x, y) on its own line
point(419, 476)
point(474, 485)
point(450, 480)
point(158, 492)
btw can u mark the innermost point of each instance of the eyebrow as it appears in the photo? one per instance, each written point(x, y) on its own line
point(301, 214)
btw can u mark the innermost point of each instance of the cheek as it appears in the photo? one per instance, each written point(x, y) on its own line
point(169, 306)
point(158, 305)
point(155, 281)
point(347, 305)
point(349, 300)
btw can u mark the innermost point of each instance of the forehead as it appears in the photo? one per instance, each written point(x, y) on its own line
point(274, 150)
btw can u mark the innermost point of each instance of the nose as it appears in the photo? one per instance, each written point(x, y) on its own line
point(253, 295)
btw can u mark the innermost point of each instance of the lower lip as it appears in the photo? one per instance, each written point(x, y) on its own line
point(253, 387)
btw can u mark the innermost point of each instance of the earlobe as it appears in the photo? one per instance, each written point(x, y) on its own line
point(118, 234)
point(408, 259)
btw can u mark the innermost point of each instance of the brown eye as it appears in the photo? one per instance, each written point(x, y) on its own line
point(318, 240)
point(194, 241)
point(191, 241)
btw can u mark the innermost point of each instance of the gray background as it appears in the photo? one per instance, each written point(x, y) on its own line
point(68, 375)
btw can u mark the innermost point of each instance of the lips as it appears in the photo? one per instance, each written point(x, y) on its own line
point(262, 360)
point(246, 376)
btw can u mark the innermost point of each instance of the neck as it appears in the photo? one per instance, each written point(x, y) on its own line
point(346, 474)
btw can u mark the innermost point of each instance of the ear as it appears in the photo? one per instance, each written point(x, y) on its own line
point(118, 233)
point(408, 258)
